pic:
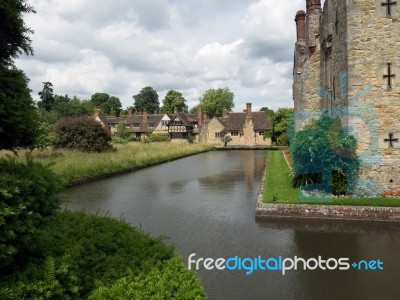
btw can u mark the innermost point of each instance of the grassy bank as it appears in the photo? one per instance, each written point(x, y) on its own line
point(278, 185)
point(73, 165)
point(278, 180)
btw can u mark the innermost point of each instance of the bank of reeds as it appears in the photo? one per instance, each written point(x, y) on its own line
point(76, 165)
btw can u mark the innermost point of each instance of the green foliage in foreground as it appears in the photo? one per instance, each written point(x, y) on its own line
point(278, 184)
point(173, 281)
point(74, 254)
point(27, 195)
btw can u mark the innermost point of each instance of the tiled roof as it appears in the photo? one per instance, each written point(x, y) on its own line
point(134, 119)
point(185, 118)
point(236, 121)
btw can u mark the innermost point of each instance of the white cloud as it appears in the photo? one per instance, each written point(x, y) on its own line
point(118, 47)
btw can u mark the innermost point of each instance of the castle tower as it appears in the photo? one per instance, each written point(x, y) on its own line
point(347, 65)
point(307, 63)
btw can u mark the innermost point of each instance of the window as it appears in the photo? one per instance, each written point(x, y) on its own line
point(151, 125)
point(136, 125)
point(234, 133)
point(261, 132)
point(217, 135)
point(164, 123)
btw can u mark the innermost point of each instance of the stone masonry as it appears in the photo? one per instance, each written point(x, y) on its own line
point(347, 65)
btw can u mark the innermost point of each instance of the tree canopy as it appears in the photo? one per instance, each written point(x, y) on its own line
point(14, 34)
point(47, 97)
point(147, 99)
point(108, 104)
point(18, 118)
point(214, 101)
point(174, 99)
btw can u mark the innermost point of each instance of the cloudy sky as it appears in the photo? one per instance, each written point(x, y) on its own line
point(121, 46)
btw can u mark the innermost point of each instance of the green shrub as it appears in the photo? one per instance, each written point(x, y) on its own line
point(324, 154)
point(124, 141)
point(27, 195)
point(191, 139)
point(159, 137)
point(82, 133)
point(101, 249)
point(118, 140)
point(51, 280)
point(172, 281)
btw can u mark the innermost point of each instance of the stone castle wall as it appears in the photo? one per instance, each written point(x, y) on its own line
point(357, 41)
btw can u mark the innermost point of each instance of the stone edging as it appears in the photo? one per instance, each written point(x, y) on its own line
point(265, 211)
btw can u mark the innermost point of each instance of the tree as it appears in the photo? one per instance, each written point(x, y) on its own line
point(18, 117)
point(280, 126)
point(147, 99)
point(98, 99)
point(112, 104)
point(174, 99)
point(194, 109)
point(214, 101)
point(14, 34)
point(47, 96)
point(324, 154)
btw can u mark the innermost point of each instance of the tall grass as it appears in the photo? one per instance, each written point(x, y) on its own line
point(73, 165)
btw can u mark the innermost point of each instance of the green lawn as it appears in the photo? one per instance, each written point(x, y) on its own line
point(278, 184)
point(279, 180)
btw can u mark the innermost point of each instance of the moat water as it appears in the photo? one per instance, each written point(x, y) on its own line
point(205, 205)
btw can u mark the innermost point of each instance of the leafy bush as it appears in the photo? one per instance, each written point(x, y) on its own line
point(159, 137)
point(172, 281)
point(324, 154)
point(27, 194)
point(117, 140)
point(83, 133)
point(191, 139)
point(51, 280)
point(100, 249)
point(73, 255)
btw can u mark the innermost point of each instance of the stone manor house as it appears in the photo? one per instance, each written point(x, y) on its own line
point(347, 65)
point(244, 128)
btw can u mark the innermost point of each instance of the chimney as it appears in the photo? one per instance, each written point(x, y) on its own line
point(205, 117)
point(301, 25)
point(248, 111)
point(176, 110)
point(314, 12)
point(97, 112)
point(311, 4)
point(130, 113)
point(200, 115)
point(225, 113)
point(144, 115)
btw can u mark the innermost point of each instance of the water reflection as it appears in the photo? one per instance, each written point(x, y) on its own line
point(205, 204)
